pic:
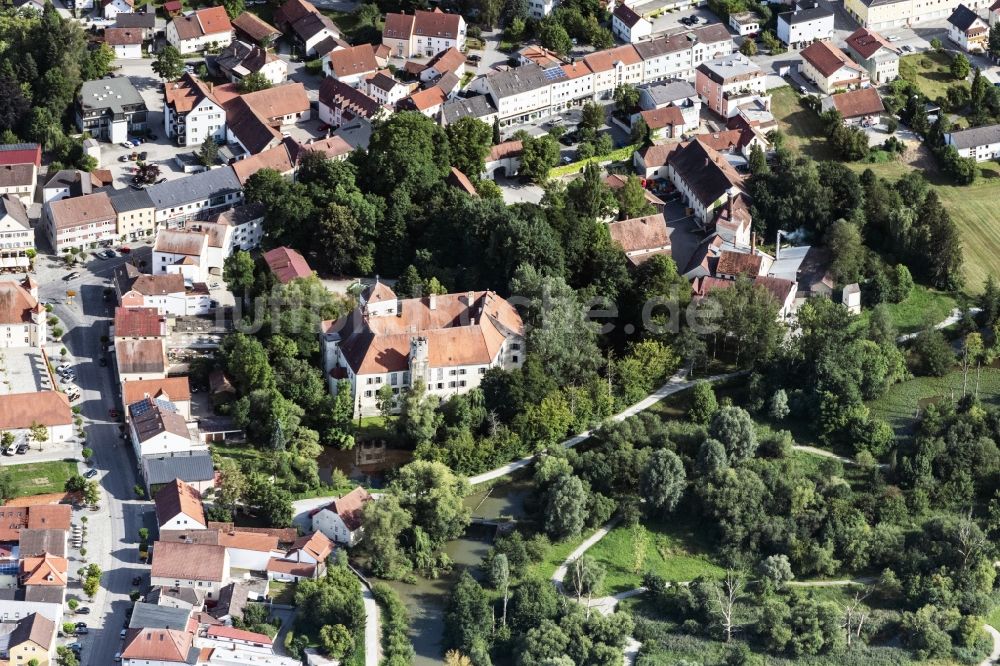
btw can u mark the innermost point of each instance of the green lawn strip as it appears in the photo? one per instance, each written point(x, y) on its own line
point(40, 478)
point(281, 593)
point(556, 555)
point(619, 155)
point(802, 127)
point(924, 307)
point(675, 551)
point(899, 404)
point(930, 72)
point(240, 452)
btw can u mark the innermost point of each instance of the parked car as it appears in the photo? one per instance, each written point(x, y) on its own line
point(83, 610)
point(136, 141)
point(124, 250)
point(124, 158)
point(137, 580)
point(103, 362)
point(63, 367)
point(126, 144)
point(72, 276)
point(122, 634)
point(90, 473)
point(474, 57)
point(82, 631)
point(142, 155)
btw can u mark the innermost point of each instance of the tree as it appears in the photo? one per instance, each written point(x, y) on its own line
point(497, 138)
point(208, 153)
point(936, 44)
point(960, 67)
point(169, 63)
point(234, 7)
point(933, 353)
point(632, 199)
point(65, 656)
point(500, 577)
point(433, 495)
point(456, 658)
point(237, 271)
point(336, 640)
point(75, 484)
point(468, 617)
point(703, 403)
point(626, 98)
point(565, 507)
point(470, 140)
point(592, 116)
point(711, 457)
point(418, 415)
point(734, 427)
point(146, 173)
point(538, 155)
point(776, 569)
point(91, 493)
point(778, 409)
point(748, 47)
point(847, 250)
point(725, 597)
point(384, 521)
point(247, 363)
point(586, 576)
point(663, 481)
point(641, 133)
point(554, 37)
point(994, 45)
point(38, 433)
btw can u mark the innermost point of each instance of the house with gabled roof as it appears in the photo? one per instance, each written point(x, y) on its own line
point(830, 68)
point(312, 30)
point(179, 507)
point(19, 237)
point(447, 342)
point(340, 103)
point(166, 292)
point(241, 59)
point(641, 238)
point(629, 25)
point(200, 30)
point(251, 28)
point(352, 65)
point(159, 647)
point(33, 639)
point(342, 520)
point(873, 52)
point(704, 178)
point(423, 33)
point(967, 29)
point(862, 106)
point(191, 112)
point(204, 567)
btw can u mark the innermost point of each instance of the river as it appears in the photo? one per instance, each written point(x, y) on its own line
point(426, 598)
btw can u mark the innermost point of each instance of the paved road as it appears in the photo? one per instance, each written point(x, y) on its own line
point(373, 639)
point(113, 529)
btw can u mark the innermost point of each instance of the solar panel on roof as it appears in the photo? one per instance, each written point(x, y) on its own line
point(553, 73)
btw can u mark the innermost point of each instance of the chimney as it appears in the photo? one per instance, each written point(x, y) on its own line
point(753, 243)
point(432, 301)
point(211, 86)
point(729, 206)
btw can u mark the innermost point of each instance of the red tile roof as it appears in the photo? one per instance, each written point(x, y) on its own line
point(287, 264)
point(20, 410)
point(238, 634)
point(49, 517)
point(856, 103)
point(866, 43)
point(178, 498)
point(317, 545)
point(291, 568)
point(176, 389)
point(139, 323)
point(827, 58)
point(350, 507)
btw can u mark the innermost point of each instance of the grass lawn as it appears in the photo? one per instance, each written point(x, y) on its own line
point(240, 452)
point(973, 207)
point(925, 307)
point(675, 551)
point(901, 402)
point(281, 593)
point(930, 72)
point(40, 478)
point(555, 556)
point(802, 127)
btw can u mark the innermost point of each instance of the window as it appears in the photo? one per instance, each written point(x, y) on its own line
point(514, 359)
point(368, 394)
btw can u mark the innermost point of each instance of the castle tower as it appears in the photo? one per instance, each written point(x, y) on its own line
point(419, 360)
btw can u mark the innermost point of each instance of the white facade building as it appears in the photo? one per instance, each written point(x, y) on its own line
point(805, 25)
point(979, 143)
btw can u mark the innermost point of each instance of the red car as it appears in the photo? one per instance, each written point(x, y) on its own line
point(124, 250)
point(113, 413)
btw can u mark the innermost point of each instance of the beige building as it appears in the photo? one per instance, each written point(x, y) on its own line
point(17, 238)
point(203, 567)
point(830, 68)
point(446, 341)
point(32, 638)
point(881, 14)
point(79, 221)
point(870, 50)
point(423, 33)
point(136, 215)
point(22, 317)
